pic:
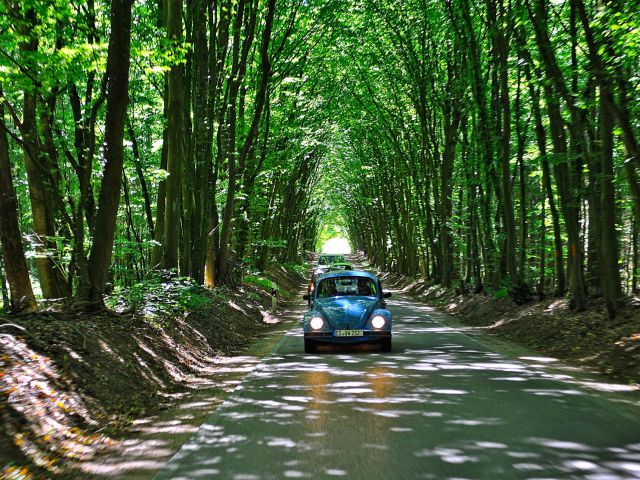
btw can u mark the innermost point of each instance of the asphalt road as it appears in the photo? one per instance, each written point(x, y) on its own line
point(441, 405)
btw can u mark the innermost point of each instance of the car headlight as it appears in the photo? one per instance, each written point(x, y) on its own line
point(378, 321)
point(316, 323)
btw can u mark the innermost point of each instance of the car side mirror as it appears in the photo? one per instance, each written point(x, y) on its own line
point(306, 296)
point(386, 295)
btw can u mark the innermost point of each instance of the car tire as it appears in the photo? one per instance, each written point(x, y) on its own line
point(309, 346)
point(385, 345)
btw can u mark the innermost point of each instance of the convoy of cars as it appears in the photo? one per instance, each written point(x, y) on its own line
point(325, 263)
point(346, 306)
point(321, 269)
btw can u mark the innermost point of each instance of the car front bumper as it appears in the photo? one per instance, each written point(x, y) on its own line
point(329, 337)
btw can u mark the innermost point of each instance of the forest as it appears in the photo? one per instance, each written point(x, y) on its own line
point(487, 146)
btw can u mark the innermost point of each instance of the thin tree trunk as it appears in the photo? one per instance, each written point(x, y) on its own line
point(131, 227)
point(521, 135)
point(541, 140)
point(543, 246)
point(6, 300)
point(609, 112)
point(143, 181)
point(158, 237)
point(635, 272)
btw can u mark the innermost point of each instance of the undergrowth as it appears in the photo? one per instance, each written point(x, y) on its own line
point(163, 294)
point(258, 281)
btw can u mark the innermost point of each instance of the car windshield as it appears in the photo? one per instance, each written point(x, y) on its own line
point(341, 286)
point(327, 259)
point(341, 266)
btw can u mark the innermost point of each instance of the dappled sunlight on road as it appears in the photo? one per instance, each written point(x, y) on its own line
point(440, 405)
point(155, 443)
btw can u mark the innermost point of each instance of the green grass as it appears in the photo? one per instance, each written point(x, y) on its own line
point(164, 294)
point(301, 268)
point(258, 281)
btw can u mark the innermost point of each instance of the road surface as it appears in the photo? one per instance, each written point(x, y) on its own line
point(441, 405)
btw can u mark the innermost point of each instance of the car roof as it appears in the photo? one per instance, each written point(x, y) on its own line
point(349, 273)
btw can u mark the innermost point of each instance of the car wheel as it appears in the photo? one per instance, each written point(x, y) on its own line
point(385, 346)
point(309, 346)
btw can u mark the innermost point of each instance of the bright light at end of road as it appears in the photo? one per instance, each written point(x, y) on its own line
point(337, 245)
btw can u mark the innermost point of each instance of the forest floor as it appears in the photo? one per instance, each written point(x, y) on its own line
point(114, 395)
point(587, 339)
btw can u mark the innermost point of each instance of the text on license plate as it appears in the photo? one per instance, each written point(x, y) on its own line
point(349, 333)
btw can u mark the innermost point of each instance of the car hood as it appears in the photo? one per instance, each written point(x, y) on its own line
point(347, 312)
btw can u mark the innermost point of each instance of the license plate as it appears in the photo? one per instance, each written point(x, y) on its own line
point(349, 333)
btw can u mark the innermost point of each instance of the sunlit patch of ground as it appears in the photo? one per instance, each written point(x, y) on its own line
point(47, 422)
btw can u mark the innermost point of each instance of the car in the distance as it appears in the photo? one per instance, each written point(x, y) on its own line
point(329, 258)
point(315, 273)
point(322, 268)
point(347, 307)
point(340, 266)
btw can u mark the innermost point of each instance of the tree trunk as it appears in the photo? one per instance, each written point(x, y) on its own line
point(635, 265)
point(143, 181)
point(609, 112)
point(487, 142)
point(17, 271)
point(610, 269)
point(453, 115)
point(52, 281)
point(175, 152)
point(567, 186)
point(158, 237)
point(201, 140)
point(239, 64)
point(506, 197)
point(567, 201)
point(6, 300)
point(217, 57)
point(118, 61)
point(541, 139)
point(521, 136)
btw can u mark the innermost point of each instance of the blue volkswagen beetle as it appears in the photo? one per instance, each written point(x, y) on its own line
point(347, 307)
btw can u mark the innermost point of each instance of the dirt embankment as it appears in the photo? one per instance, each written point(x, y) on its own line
point(72, 385)
point(549, 326)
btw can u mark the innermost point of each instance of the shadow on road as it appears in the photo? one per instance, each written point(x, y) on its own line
point(440, 405)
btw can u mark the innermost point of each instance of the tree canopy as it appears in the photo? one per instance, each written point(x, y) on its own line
point(484, 145)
